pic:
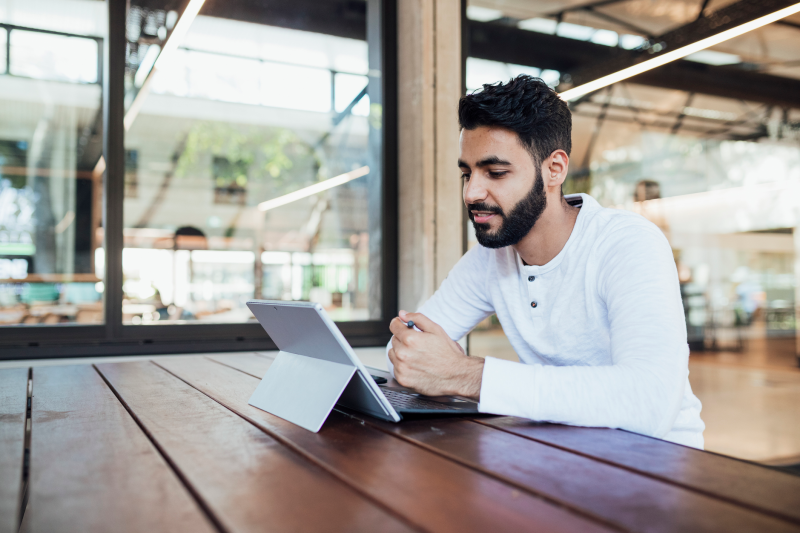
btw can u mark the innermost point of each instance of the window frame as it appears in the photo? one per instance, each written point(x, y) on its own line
point(115, 338)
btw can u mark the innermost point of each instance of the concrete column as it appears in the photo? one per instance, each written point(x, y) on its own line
point(430, 206)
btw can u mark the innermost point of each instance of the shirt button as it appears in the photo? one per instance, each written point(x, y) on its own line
point(534, 304)
point(531, 278)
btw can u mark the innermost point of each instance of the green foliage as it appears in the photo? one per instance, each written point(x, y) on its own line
point(241, 153)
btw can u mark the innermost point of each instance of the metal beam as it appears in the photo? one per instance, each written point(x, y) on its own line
point(723, 19)
point(522, 47)
point(681, 115)
point(342, 18)
point(114, 153)
point(618, 21)
point(598, 125)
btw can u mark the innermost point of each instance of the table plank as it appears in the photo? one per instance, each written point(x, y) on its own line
point(92, 467)
point(257, 363)
point(13, 407)
point(747, 484)
point(627, 499)
point(430, 491)
point(246, 478)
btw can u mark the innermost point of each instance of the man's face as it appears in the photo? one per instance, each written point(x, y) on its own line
point(503, 187)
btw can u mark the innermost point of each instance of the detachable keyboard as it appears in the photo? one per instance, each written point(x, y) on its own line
point(402, 401)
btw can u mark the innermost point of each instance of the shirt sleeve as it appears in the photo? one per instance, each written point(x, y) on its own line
point(641, 391)
point(462, 299)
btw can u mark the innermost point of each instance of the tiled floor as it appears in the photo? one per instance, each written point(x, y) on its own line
point(751, 399)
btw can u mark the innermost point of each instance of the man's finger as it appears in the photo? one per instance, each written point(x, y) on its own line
point(424, 323)
point(400, 330)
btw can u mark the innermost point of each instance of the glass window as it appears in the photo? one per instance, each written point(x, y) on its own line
point(50, 144)
point(239, 114)
point(53, 57)
point(3, 58)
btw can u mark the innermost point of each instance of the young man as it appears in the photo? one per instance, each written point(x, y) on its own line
point(587, 296)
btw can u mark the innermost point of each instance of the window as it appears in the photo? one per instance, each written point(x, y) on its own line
point(260, 111)
point(230, 181)
point(218, 130)
point(131, 173)
point(50, 200)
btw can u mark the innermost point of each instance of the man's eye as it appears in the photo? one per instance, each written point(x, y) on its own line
point(497, 174)
point(465, 176)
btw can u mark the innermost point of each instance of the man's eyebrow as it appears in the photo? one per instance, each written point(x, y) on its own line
point(462, 164)
point(491, 160)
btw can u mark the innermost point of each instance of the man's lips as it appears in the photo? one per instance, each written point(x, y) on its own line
point(482, 217)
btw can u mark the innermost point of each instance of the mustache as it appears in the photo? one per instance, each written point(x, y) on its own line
point(480, 206)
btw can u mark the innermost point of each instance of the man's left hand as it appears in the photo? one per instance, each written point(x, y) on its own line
point(430, 362)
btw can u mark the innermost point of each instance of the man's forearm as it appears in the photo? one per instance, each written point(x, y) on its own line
point(469, 382)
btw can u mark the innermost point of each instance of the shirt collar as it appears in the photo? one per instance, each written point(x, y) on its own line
point(589, 204)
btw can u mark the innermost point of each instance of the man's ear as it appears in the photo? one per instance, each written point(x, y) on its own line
point(554, 170)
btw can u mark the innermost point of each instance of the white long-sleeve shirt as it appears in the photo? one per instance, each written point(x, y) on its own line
point(605, 343)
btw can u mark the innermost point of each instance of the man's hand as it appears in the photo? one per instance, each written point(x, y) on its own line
point(430, 362)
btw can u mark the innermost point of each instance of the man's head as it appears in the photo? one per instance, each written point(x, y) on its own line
point(515, 144)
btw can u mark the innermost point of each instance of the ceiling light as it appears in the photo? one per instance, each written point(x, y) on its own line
point(180, 31)
point(313, 189)
point(174, 40)
point(668, 57)
point(483, 14)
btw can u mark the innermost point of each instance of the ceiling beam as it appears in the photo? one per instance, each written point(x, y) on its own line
point(714, 23)
point(342, 18)
point(522, 47)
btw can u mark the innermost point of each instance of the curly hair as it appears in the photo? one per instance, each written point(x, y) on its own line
point(526, 106)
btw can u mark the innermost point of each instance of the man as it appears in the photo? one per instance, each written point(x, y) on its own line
point(587, 296)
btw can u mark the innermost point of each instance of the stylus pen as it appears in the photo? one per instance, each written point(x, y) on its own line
point(410, 324)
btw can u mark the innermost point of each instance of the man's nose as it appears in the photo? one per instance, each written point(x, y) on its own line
point(474, 191)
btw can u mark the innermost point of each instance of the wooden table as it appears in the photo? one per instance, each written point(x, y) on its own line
point(172, 445)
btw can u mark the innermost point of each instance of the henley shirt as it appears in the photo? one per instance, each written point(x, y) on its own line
point(599, 330)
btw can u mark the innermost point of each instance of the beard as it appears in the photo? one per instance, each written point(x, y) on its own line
point(519, 221)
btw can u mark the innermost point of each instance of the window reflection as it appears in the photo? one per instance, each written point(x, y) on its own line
point(53, 57)
point(240, 114)
point(50, 141)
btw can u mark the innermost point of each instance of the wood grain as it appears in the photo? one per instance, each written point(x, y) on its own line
point(430, 491)
point(256, 363)
point(737, 481)
point(247, 479)
point(627, 499)
point(92, 467)
point(550, 483)
point(13, 406)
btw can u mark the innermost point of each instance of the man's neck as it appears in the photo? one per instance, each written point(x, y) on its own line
point(550, 233)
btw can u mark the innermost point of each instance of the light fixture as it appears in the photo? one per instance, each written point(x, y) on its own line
point(702, 44)
point(313, 189)
point(179, 32)
point(174, 40)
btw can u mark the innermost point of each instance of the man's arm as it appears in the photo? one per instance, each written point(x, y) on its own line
point(643, 388)
point(430, 362)
point(461, 300)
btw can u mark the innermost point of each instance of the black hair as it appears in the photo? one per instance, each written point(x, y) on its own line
point(526, 106)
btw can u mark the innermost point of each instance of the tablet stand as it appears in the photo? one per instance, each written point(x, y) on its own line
point(302, 390)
